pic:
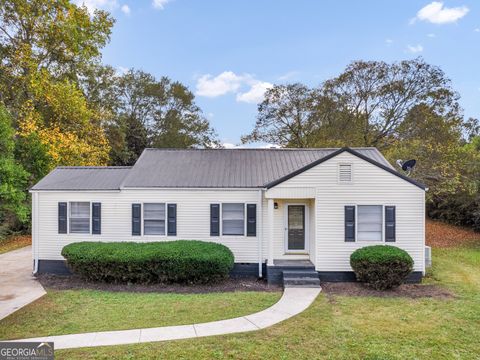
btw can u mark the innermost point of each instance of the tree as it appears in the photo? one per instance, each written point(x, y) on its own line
point(46, 47)
point(13, 179)
point(379, 95)
point(285, 116)
point(142, 112)
point(363, 106)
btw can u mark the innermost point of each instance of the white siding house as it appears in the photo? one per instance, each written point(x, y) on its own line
point(314, 206)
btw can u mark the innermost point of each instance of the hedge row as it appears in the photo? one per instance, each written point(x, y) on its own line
point(182, 261)
point(381, 266)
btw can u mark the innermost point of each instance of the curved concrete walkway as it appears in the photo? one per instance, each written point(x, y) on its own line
point(293, 302)
point(18, 286)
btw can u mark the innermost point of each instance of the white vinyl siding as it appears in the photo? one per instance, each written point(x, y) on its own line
point(233, 219)
point(369, 222)
point(371, 186)
point(79, 217)
point(193, 218)
point(154, 219)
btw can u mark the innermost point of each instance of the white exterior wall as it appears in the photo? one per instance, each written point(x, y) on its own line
point(371, 186)
point(193, 218)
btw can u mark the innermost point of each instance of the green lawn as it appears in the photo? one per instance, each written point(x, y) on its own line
point(349, 327)
point(73, 311)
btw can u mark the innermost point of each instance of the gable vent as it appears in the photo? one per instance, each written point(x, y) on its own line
point(345, 173)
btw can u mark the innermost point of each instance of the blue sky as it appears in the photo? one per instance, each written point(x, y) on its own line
point(228, 52)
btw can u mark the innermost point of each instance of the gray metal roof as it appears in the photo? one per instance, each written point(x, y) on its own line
point(226, 168)
point(83, 178)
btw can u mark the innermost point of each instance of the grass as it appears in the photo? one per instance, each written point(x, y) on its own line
point(343, 327)
point(14, 242)
point(73, 311)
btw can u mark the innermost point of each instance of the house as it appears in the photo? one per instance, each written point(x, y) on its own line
point(274, 208)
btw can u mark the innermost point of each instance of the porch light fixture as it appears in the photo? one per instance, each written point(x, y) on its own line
point(275, 205)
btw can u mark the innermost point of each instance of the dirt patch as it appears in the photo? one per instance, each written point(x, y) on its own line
point(413, 291)
point(74, 282)
point(443, 235)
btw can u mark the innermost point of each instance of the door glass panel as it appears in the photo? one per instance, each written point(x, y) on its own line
point(296, 227)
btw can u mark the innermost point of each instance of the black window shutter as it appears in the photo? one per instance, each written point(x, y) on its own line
point(62, 217)
point(214, 219)
point(96, 218)
point(349, 223)
point(251, 219)
point(172, 219)
point(136, 219)
point(390, 223)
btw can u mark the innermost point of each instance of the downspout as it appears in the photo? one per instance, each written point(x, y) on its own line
point(34, 231)
point(260, 232)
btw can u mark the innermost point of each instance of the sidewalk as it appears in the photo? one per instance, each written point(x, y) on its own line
point(293, 302)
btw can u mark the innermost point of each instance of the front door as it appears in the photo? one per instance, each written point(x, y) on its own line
point(296, 241)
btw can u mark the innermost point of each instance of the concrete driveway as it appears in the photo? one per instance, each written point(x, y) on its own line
point(18, 287)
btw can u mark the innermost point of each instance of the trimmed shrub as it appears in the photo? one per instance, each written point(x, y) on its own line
point(182, 261)
point(381, 266)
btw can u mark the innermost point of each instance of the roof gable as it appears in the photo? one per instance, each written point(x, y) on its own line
point(389, 169)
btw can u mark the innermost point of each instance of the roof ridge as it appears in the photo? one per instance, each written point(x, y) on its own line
point(262, 149)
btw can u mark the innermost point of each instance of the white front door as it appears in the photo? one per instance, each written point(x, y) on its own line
point(296, 228)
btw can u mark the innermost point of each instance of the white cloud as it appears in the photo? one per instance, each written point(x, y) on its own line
point(227, 145)
point(125, 9)
point(159, 4)
point(414, 48)
point(437, 13)
point(476, 29)
point(228, 81)
point(245, 86)
point(93, 5)
point(270, 146)
point(431, 35)
point(255, 94)
point(389, 41)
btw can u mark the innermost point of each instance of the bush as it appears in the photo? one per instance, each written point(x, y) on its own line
point(381, 266)
point(183, 261)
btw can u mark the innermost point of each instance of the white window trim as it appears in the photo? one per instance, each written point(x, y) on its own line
point(351, 173)
point(244, 218)
point(356, 223)
point(143, 220)
point(89, 218)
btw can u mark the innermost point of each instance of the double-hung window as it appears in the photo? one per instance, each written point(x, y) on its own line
point(154, 219)
point(233, 219)
point(79, 217)
point(369, 222)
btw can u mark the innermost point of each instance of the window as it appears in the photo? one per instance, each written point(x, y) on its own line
point(154, 219)
point(80, 218)
point(369, 223)
point(233, 219)
point(345, 173)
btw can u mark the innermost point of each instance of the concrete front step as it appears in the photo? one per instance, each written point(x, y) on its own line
point(314, 282)
point(300, 273)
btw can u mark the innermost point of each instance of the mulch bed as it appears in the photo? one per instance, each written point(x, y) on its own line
point(441, 235)
point(75, 283)
point(413, 291)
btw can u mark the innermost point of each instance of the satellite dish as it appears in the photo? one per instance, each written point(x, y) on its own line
point(407, 166)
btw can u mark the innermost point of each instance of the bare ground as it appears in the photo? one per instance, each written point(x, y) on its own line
point(74, 282)
point(413, 291)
